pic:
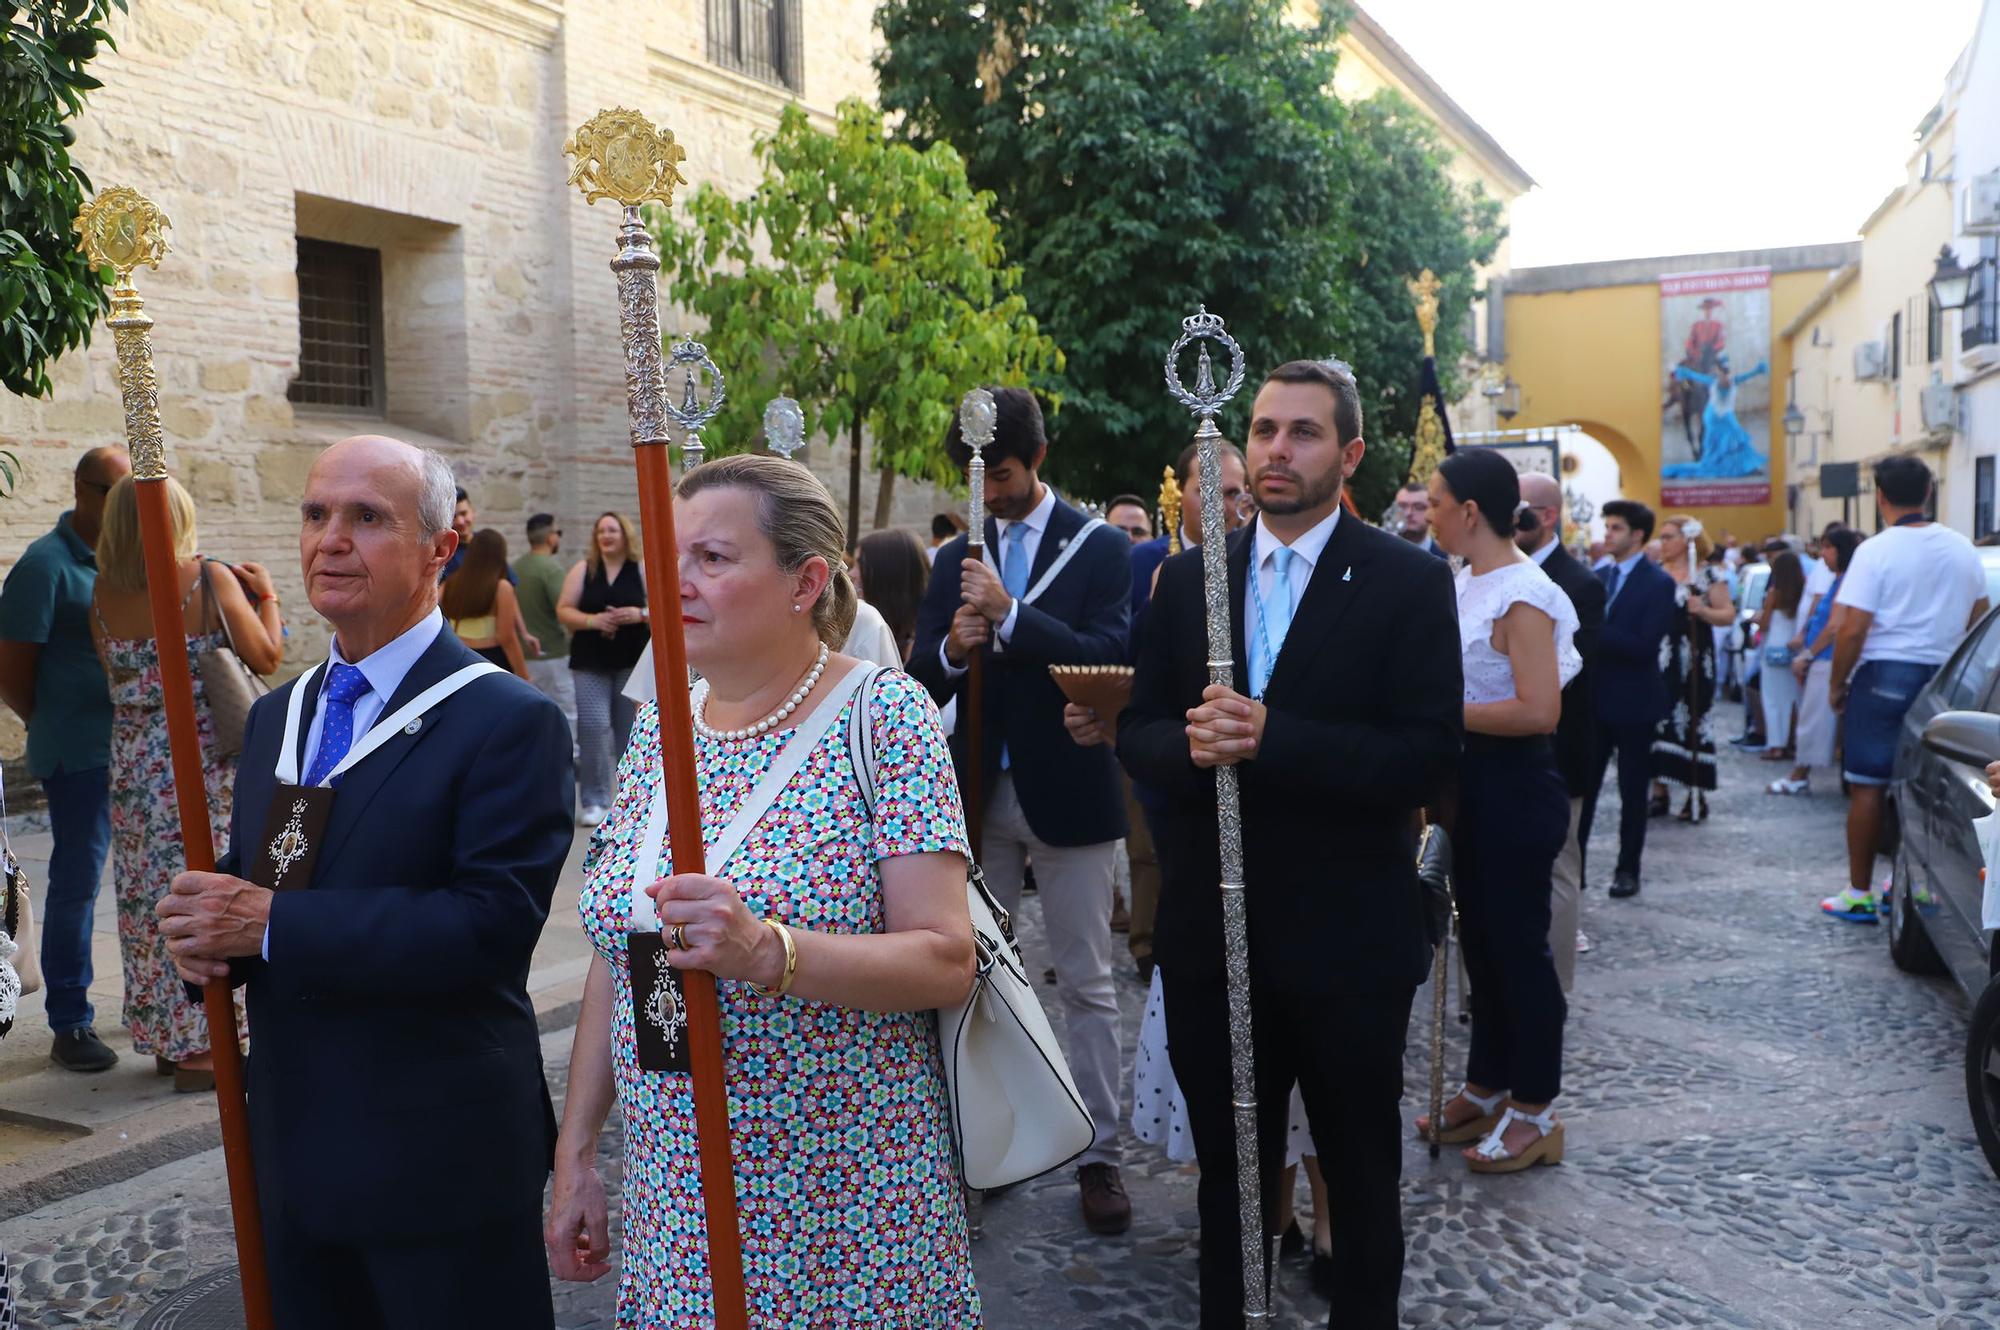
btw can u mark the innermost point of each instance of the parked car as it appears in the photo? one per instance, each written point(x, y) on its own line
point(1989, 559)
point(1949, 735)
point(1741, 641)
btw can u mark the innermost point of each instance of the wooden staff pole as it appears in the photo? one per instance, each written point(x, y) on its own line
point(622, 156)
point(120, 229)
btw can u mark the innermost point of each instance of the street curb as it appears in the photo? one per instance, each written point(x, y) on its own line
point(152, 1140)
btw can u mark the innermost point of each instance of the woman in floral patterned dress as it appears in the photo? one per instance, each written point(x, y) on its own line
point(846, 1176)
point(1684, 747)
point(146, 847)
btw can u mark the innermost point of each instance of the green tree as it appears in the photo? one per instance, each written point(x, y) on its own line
point(1152, 155)
point(49, 296)
point(864, 278)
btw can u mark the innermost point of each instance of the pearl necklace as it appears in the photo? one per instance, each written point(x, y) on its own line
point(770, 722)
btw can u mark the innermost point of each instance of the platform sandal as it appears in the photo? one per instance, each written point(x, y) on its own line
point(1491, 1154)
point(1471, 1129)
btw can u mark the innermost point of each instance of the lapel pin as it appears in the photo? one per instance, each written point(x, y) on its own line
point(414, 726)
point(1348, 576)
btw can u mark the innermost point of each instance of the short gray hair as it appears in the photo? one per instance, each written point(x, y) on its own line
point(437, 496)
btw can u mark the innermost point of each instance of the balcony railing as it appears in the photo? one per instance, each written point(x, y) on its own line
point(761, 38)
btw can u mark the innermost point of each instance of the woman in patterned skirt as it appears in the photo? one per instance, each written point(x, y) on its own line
point(1684, 748)
point(833, 932)
point(147, 851)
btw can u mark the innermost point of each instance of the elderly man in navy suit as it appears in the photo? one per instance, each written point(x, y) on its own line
point(411, 804)
point(1061, 596)
point(1631, 691)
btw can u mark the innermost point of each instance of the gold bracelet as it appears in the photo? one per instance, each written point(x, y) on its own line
point(791, 961)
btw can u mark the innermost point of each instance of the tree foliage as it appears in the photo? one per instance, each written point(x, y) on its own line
point(49, 296)
point(864, 278)
point(1151, 155)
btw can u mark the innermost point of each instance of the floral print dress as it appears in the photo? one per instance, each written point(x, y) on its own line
point(846, 1176)
point(1684, 745)
point(147, 851)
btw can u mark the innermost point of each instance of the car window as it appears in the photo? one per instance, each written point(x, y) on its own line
point(1967, 677)
point(1989, 559)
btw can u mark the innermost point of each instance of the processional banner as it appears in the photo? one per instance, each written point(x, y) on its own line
point(1715, 413)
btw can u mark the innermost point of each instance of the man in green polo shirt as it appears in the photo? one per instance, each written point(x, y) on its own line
point(51, 677)
point(538, 576)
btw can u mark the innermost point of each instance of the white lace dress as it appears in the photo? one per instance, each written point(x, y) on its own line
point(1489, 675)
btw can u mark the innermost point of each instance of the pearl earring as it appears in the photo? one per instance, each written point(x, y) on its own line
point(798, 609)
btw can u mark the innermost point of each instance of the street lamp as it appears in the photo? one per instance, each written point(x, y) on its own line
point(1795, 421)
point(1951, 285)
point(1508, 399)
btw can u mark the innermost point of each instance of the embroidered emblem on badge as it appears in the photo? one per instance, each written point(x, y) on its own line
point(290, 845)
point(665, 1011)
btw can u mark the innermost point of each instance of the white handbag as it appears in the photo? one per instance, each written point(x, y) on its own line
point(1015, 1110)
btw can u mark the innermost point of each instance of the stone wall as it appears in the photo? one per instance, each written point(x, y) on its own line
point(430, 130)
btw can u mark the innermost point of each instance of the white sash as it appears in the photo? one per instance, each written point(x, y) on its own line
point(1062, 559)
point(645, 917)
point(384, 729)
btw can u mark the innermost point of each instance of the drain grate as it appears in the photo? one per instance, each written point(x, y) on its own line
point(212, 1302)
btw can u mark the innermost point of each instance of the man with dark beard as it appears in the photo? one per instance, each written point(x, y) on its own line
point(1344, 722)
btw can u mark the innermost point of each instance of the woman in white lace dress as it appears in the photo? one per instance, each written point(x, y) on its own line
point(1517, 634)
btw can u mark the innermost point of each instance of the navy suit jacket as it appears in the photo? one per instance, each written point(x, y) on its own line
point(395, 1072)
point(1631, 691)
point(1146, 560)
point(1070, 795)
point(1576, 733)
point(1365, 709)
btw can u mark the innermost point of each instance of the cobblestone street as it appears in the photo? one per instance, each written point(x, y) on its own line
point(1766, 1122)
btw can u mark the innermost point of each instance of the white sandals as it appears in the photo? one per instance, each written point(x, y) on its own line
point(1474, 1128)
point(1491, 1154)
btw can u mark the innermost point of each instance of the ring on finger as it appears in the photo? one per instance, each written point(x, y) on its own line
point(677, 938)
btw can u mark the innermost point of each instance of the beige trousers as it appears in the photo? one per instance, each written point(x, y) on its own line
point(1565, 900)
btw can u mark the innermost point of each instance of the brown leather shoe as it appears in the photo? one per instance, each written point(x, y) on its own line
point(1106, 1208)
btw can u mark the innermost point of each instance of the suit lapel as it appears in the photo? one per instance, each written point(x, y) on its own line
point(359, 786)
point(1239, 544)
point(1328, 594)
point(1064, 523)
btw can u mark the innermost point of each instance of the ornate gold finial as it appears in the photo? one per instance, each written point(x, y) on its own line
point(621, 155)
point(1170, 508)
point(121, 229)
point(1428, 454)
point(1425, 290)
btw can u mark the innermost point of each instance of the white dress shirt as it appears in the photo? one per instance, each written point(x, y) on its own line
point(1306, 552)
point(385, 669)
point(1541, 556)
point(1036, 523)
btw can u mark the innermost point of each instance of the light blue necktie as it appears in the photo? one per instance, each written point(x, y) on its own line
point(345, 686)
point(1013, 576)
point(1276, 618)
point(1014, 559)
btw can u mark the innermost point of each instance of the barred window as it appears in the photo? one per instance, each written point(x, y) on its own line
point(761, 38)
point(340, 327)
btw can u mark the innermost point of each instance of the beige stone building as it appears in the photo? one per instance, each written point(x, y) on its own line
point(372, 233)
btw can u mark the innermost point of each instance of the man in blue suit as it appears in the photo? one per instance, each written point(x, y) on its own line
point(401, 1124)
point(1061, 596)
point(1631, 691)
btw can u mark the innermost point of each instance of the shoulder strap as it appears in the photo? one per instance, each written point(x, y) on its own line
point(755, 804)
point(210, 605)
point(1050, 574)
point(861, 740)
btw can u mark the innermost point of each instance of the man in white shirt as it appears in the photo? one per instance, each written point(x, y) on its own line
point(1911, 591)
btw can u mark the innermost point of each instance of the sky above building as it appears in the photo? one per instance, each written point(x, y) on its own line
point(1705, 125)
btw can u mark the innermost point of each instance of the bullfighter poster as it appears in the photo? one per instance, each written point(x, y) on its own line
point(1715, 415)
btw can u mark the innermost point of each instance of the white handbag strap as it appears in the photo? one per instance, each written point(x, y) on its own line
point(645, 917)
point(1048, 577)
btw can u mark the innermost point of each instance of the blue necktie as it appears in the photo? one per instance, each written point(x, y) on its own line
point(1614, 577)
point(336, 735)
point(1014, 559)
point(1276, 618)
point(1013, 576)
